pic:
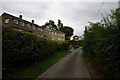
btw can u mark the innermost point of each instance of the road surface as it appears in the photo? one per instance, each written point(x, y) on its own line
point(71, 66)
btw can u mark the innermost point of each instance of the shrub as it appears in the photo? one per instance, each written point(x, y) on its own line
point(76, 44)
point(101, 43)
point(20, 49)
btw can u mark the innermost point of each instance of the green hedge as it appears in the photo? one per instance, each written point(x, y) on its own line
point(76, 44)
point(20, 49)
point(101, 43)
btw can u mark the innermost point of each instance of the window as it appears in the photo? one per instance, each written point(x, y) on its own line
point(18, 29)
point(22, 24)
point(53, 38)
point(55, 33)
point(7, 20)
point(33, 26)
point(59, 34)
point(52, 32)
point(28, 25)
point(40, 29)
point(15, 21)
point(59, 39)
point(40, 35)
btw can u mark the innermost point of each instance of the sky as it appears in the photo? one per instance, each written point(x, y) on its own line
point(73, 13)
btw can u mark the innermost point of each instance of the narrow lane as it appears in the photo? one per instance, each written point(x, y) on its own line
point(71, 66)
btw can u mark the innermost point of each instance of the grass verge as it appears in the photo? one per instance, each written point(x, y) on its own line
point(36, 70)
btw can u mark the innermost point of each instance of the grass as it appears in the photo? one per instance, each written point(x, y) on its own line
point(36, 70)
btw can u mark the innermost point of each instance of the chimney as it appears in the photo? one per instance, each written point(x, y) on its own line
point(32, 21)
point(20, 16)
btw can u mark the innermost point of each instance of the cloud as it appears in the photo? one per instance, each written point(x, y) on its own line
point(59, 1)
point(73, 14)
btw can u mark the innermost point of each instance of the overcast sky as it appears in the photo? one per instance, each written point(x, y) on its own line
point(73, 13)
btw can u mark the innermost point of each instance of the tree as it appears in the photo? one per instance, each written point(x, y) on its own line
point(68, 32)
point(66, 29)
point(50, 24)
point(45, 25)
point(101, 43)
point(60, 25)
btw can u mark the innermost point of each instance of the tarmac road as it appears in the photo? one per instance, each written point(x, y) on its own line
point(71, 66)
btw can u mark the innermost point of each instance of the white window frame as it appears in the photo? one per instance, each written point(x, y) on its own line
point(7, 20)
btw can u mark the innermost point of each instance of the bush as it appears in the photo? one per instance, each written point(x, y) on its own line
point(101, 43)
point(20, 49)
point(76, 44)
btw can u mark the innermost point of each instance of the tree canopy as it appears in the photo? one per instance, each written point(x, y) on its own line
point(65, 29)
point(101, 43)
point(68, 32)
point(50, 24)
point(60, 25)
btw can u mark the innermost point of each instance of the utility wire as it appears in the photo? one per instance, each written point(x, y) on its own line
point(99, 10)
point(119, 4)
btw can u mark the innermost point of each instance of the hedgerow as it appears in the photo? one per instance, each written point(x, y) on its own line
point(20, 49)
point(76, 44)
point(101, 43)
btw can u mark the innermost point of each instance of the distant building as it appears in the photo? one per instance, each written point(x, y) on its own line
point(18, 23)
point(76, 38)
point(54, 34)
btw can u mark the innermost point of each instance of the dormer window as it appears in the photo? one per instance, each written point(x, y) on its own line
point(7, 20)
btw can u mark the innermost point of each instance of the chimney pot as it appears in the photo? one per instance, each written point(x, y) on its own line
point(20, 16)
point(32, 21)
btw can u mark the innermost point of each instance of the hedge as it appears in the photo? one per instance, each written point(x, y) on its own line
point(101, 44)
point(20, 49)
point(76, 44)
